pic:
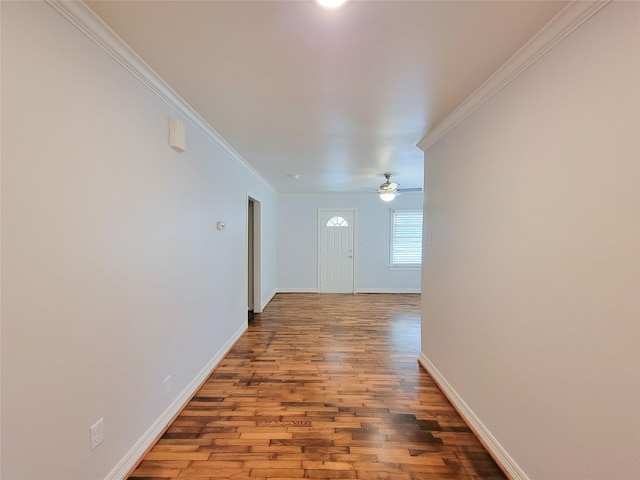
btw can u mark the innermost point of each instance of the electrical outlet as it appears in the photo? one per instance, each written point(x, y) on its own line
point(166, 386)
point(96, 434)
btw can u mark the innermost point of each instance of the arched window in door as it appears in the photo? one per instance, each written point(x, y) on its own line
point(337, 222)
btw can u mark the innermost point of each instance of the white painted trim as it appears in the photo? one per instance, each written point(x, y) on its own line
point(298, 290)
point(373, 195)
point(136, 452)
point(498, 452)
point(267, 300)
point(89, 23)
point(0, 286)
point(389, 290)
point(257, 251)
point(359, 290)
point(562, 25)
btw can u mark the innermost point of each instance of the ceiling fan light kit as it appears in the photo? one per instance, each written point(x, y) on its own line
point(389, 190)
point(388, 196)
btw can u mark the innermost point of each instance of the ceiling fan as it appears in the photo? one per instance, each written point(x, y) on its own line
point(389, 190)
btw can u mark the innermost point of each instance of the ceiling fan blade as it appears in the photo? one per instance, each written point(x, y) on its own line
point(417, 189)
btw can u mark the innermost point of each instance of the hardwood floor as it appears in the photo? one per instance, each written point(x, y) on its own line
point(322, 386)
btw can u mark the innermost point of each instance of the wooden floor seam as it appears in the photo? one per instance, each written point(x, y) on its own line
point(327, 387)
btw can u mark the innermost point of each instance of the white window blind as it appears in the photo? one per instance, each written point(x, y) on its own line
point(406, 237)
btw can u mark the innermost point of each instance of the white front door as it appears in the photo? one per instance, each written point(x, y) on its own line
point(336, 230)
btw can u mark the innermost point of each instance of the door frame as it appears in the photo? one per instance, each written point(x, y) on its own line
point(322, 211)
point(257, 251)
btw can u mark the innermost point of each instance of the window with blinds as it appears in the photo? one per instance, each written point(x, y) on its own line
point(406, 238)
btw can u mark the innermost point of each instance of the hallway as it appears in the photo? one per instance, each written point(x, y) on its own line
point(322, 386)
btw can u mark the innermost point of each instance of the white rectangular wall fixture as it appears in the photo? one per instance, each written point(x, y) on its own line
point(177, 135)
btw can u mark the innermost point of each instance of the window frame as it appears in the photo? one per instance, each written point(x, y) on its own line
point(392, 244)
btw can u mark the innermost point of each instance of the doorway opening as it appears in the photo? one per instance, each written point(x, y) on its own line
point(254, 304)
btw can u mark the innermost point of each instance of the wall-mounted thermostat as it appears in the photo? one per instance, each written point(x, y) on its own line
point(220, 225)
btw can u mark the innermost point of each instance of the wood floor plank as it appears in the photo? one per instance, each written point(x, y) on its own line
point(322, 386)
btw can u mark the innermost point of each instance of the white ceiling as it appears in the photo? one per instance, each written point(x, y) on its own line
point(338, 97)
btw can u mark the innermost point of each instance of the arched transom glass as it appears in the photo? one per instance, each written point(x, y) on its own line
point(337, 222)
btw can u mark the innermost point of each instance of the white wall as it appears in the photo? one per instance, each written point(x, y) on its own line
point(113, 274)
point(531, 285)
point(297, 263)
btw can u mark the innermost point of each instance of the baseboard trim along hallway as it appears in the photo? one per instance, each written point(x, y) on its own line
point(322, 386)
point(134, 455)
point(499, 454)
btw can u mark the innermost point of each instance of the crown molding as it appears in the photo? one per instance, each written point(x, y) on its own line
point(91, 25)
point(561, 26)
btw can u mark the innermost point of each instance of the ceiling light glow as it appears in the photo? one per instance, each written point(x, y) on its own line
point(387, 196)
point(330, 3)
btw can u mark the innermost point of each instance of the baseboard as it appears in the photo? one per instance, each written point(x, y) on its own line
point(268, 299)
point(298, 290)
point(388, 290)
point(133, 456)
point(358, 290)
point(499, 454)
